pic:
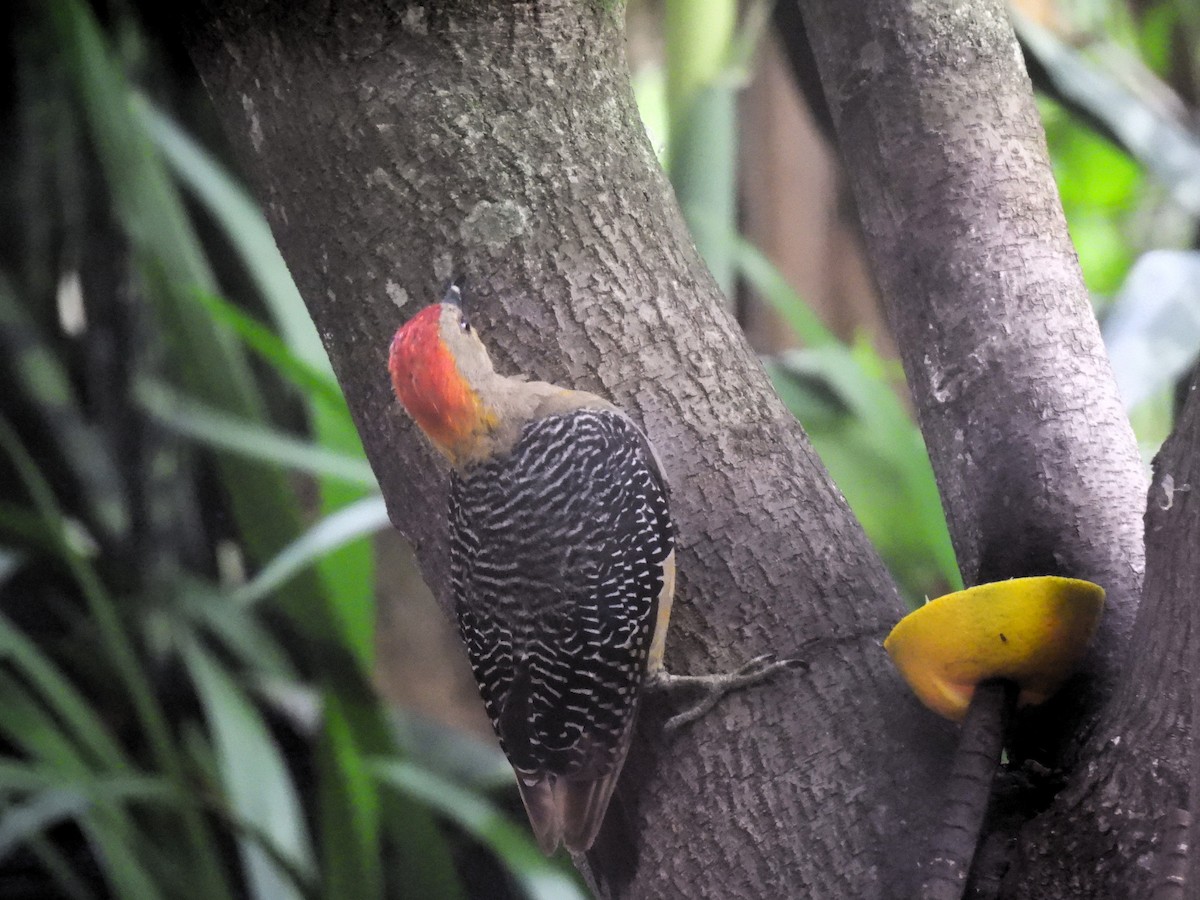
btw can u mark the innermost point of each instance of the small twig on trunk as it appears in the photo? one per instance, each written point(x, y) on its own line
point(969, 789)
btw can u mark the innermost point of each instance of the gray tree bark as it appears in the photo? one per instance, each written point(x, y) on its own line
point(944, 147)
point(396, 144)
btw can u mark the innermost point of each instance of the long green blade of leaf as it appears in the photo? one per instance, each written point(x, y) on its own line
point(237, 630)
point(245, 227)
point(358, 816)
point(419, 847)
point(468, 761)
point(359, 519)
point(123, 657)
point(873, 449)
point(56, 763)
point(127, 875)
point(349, 808)
point(348, 571)
point(257, 781)
point(218, 429)
point(172, 267)
point(315, 383)
point(32, 732)
point(702, 105)
point(53, 800)
point(1165, 145)
point(765, 278)
point(89, 731)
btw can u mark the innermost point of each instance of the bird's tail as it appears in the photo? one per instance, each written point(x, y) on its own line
point(545, 814)
point(567, 811)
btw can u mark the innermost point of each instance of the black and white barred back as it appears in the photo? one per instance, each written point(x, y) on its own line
point(556, 558)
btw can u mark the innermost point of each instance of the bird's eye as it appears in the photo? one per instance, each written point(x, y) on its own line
point(464, 324)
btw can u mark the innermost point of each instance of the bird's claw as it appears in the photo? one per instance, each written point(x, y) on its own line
point(716, 686)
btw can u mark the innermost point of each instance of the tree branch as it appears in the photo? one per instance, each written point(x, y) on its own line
point(1034, 455)
point(395, 145)
point(1035, 459)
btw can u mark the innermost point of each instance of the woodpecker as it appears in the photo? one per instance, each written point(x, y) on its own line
point(562, 566)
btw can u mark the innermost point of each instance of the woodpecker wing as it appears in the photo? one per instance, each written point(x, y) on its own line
point(558, 558)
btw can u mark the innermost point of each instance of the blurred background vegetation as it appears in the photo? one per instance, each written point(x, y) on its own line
point(221, 675)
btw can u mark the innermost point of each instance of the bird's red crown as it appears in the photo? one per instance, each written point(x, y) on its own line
point(428, 382)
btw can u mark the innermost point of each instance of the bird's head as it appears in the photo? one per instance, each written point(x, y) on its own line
point(438, 366)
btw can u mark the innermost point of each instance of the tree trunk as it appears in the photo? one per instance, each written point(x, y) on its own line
point(1034, 457)
point(396, 145)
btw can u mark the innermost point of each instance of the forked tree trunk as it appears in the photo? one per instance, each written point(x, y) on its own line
point(395, 145)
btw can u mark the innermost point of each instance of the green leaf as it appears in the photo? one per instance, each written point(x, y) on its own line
point(124, 869)
point(347, 571)
point(650, 92)
point(702, 88)
point(354, 816)
point(47, 774)
point(103, 610)
point(451, 753)
point(245, 227)
point(257, 782)
point(349, 809)
point(540, 878)
point(53, 799)
point(26, 527)
point(194, 419)
point(846, 401)
point(33, 732)
point(361, 518)
point(56, 763)
point(242, 634)
point(88, 731)
point(38, 375)
point(172, 267)
point(765, 278)
point(317, 384)
point(126, 665)
point(421, 854)
point(1166, 146)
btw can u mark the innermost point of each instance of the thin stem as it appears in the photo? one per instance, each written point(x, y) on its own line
point(968, 791)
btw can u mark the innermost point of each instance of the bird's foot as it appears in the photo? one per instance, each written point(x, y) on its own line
point(714, 687)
